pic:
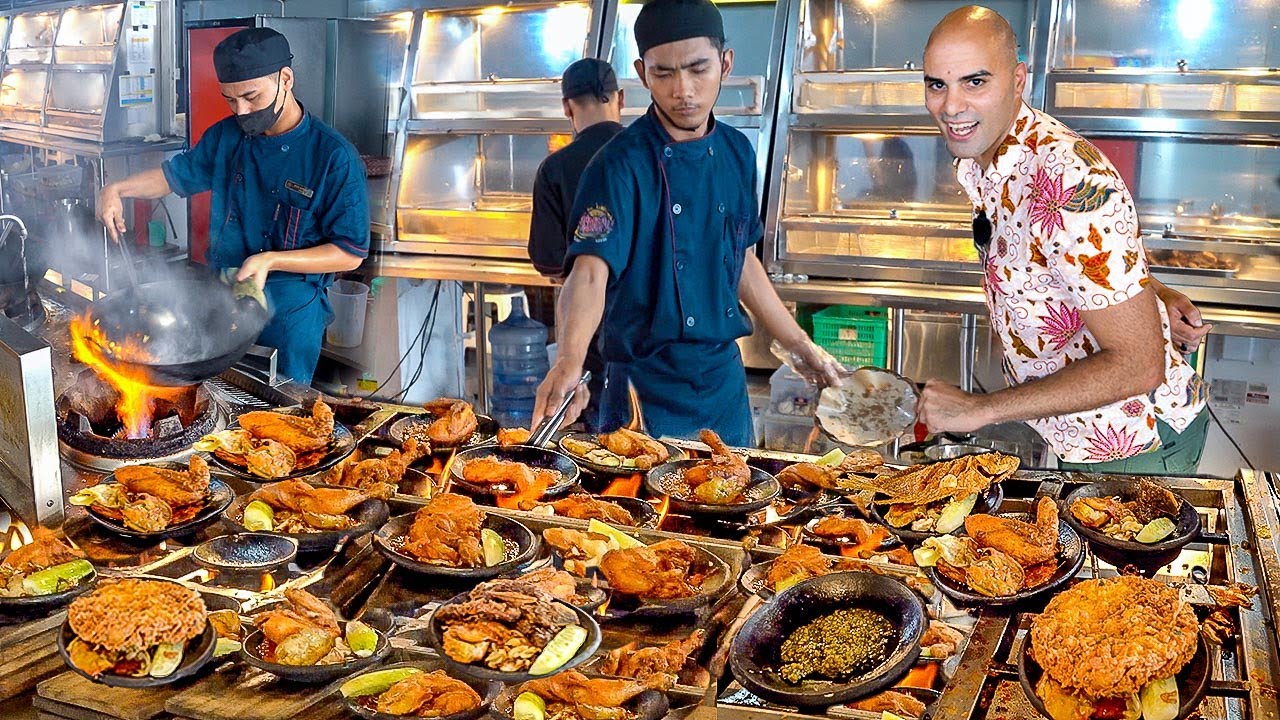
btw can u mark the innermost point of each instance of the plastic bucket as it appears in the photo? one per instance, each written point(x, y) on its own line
point(349, 300)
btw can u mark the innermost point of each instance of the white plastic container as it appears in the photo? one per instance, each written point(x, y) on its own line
point(349, 300)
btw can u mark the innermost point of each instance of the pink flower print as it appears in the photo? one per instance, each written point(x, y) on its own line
point(1112, 444)
point(1133, 408)
point(1048, 197)
point(993, 278)
point(1061, 325)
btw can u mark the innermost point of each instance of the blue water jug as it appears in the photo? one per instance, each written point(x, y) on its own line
point(518, 347)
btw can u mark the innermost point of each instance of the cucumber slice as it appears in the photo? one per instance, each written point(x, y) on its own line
point(495, 548)
point(529, 706)
point(258, 517)
point(225, 646)
point(560, 650)
point(621, 539)
point(376, 682)
point(1160, 699)
point(166, 659)
point(1156, 530)
point(832, 458)
point(361, 638)
point(46, 582)
point(954, 513)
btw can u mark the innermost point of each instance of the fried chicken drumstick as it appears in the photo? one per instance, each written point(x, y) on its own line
point(299, 434)
point(455, 422)
point(721, 479)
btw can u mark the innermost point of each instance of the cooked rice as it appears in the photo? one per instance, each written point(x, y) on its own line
point(131, 614)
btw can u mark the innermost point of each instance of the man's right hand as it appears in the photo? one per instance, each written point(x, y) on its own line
point(111, 211)
point(561, 379)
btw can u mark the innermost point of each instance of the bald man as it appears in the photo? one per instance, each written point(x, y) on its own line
point(1089, 353)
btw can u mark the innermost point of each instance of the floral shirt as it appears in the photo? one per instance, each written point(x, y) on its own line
point(1065, 239)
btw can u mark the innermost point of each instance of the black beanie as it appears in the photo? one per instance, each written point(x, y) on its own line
point(666, 21)
point(251, 53)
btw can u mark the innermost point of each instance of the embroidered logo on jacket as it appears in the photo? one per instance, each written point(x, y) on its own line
point(595, 224)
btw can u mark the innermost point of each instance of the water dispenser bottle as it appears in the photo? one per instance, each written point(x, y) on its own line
point(518, 346)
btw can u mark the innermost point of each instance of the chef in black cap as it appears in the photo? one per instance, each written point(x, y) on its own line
point(289, 205)
point(662, 255)
point(593, 103)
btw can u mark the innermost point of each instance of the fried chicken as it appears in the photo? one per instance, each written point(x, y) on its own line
point(510, 437)
point(1027, 543)
point(455, 422)
point(555, 583)
point(585, 507)
point(898, 703)
point(579, 549)
point(799, 561)
point(641, 449)
point(44, 551)
point(988, 572)
point(175, 487)
point(1106, 638)
point(509, 477)
point(1153, 501)
point(836, 527)
point(428, 694)
point(299, 434)
point(940, 640)
point(147, 513)
point(265, 458)
point(659, 571)
point(807, 474)
point(302, 497)
point(380, 477)
point(635, 662)
point(130, 615)
point(573, 688)
point(924, 484)
point(446, 531)
point(721, 479)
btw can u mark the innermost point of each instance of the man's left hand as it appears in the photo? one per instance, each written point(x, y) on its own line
point(256, 267)
point(947, 408)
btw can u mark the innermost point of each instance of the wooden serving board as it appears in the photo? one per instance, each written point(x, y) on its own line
point(30, 654)
point(73, 696)
point(238, 692)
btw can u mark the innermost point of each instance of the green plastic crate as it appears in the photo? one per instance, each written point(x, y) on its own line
point(856, 336)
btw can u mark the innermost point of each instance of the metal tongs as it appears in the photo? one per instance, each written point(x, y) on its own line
point(541, 435)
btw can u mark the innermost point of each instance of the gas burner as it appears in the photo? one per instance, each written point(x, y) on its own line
point(90, 433)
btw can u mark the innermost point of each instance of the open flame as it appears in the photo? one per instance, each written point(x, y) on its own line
point(662, 509)
point(526, 498)
point(137, 404)
point(445, 478)
point(624, 486)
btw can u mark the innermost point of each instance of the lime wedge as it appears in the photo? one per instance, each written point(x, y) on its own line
point(529, 706)
point(495, 548)
point(376, 682)
point(832, 459)
point(886, 715)
point(258, 517)
point(225, 646)
point(560, 650)
point(1160, 699)
point(1156, 530)
point(46, 582)
point(361, 638)
point(621, 539)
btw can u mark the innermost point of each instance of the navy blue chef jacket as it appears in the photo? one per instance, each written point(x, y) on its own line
point(673, 220)
point(303, 188)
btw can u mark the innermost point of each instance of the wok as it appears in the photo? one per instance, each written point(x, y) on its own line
point(189, 330)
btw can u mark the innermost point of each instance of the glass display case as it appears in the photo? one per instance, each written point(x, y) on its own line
point(1187, 66)
point(862, 186)
point(87, 72)
point(483, 110)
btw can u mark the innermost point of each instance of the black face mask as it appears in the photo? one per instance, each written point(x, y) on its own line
point(258, 122)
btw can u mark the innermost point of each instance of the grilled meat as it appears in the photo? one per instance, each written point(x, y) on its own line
point(380, 477)
point(1027, 543)
point(898, 703)
point(554, 583)
point(585, 507)
point(924, 484)
point(807, 474)
point(632, 661)
point(1153, 501)
point(799, 561)
point(299, 434)
point(503, 629)
point(510, 437)
point(446, 531)
point(146, 513)
point(508, 476)
point(660, 571)
point(302, 497)
point(1107, 638)
point(455, 422)
point(643, 450)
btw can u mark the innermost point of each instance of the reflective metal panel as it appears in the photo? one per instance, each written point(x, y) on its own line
point(88, 35)
point(32, 36)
